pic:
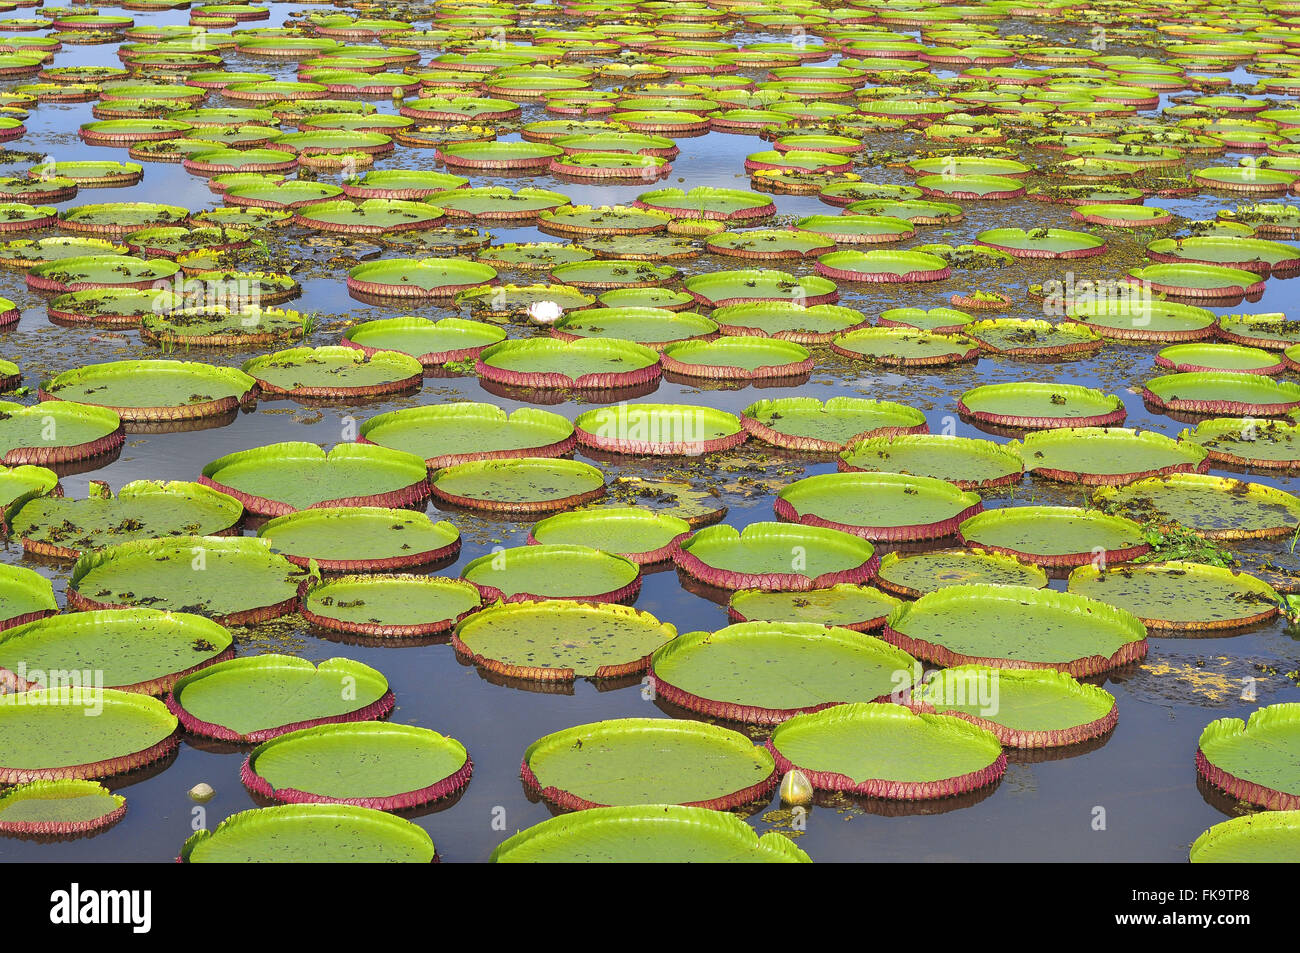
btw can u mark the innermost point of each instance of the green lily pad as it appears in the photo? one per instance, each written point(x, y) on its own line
point(646, 834)
point(658, 429)
point(629, 761)
point(1215, 507)
point(885, 750)
point(914, 576)
point(521, 484)
point(1041, 405)
point(1180, 595)
point(1017, 627)
point(234, 579)
point(878, 506)
point(779, 556)
point(805, 423)
point(260, 697)
point(360, 538)
point(432, 343)
point(641, 535)
point(153, 390)
point(136, 650)
point(1107, 455)
point(1056, 536)
point(283, 477)
point(1247, 442)
point(861, 608)
point(335, 372)
point(24, 596)
point(63, 527)
point(559, 640)
point(1024, 708)
point(554, 571)
point(787, 319)
point(1270, 837)
point(741, 673)
point(389, 606)
point(967, 462)
point(1254, 760)
point(1220, 393)
point(47, 735)
point(56, 432)
point(369, 764)
point(310, 833)
point(59, 808)
point(905, 346)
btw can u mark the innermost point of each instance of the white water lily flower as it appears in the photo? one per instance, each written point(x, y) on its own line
point(545, 312)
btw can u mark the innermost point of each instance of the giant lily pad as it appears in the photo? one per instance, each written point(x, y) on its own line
point(236, 580)
point(157, 390)
point(1180, 595)
point(135, 650)
point(719, 288)
point(369, 764)
point(1247, 442)
point(861, 608)
point(1107, 455)
point(22, 483)
point(54, 432)
point(554, 571)
point(403, 278)
point(310, 833)
point(646, 834)
point(1254, 760)
point(1024, 708)
point(914, 576)
point(1034, 338)
point(1017, 627)
point(260, 697)
point(638, 534)
point(335, 372)
point(51, 734)
point(59, 808)
point(559, 640)
point(787, 319)
point(1056, 536)
point(905, 347)
point(25, 596)
point(805, 423)
point(587, 363)
point(63, 528)
point(361, 538)
point(741, 672)
point(1215, 507)
point(776, 556)
point(519, 484)
point(389, 606)
point(652, 327)
point(1270, 837)
point(283, 477)
point(1038, 405)
point(1219, 393)
point(432, 343)
point(888, 751)
point(738, 358)
point(639, 760)
point(1142, 319)
point(878, 506)
point(969, 463)
point(659, 429)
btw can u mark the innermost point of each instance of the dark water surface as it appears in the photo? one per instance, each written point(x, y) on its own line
point(1142, 776)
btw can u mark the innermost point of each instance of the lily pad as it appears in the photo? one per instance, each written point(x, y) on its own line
point(1219, 393)
point(1017, 627)
point(659, 429)
point(861, 608)
point(54, 432)
point(1254, 760)
point(519, 484)
point(554, 571)
point(235, 580)
point(254, 699)
point(646, 834)
point(361, 538)
point(1107, 455)
point(134, 650)
point(284, 477)
point(310, 833)
point(789, 320)
point(389, 606)
point(905, 347)
point(368, 764)
point(59, 808)
point(157, 390)
point(1270, 837)
point(738, 358)
point(641, 535)
point(914, 576)
point(805, 423)
point(888, 751)
point(777, 556)
point(560, 640)
point(878, 506)
point(1216, 507)
point(1247, 442)
point(63, 528)
point(652, 327)
point(629, 761)
point(335, 372)
point(1056, 536)
point(1180, 596)
point(586, 363)
point(1040, 405)
point(47, 735)
point(25, 596)
point(741, 673)
point(965, 461)
point(1024, 708)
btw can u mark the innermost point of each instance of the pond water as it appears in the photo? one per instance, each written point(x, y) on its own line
point(1142, 775)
